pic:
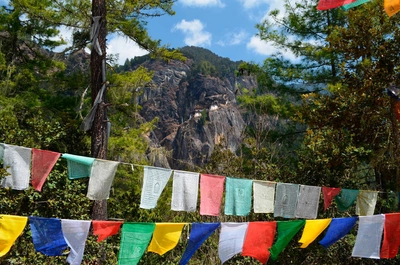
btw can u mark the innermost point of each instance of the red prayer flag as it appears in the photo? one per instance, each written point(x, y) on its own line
point(211, 192)
point(329, 195)
point(43, 162)
point(397, 109)
point(105, 229)
point(259, 239)
point(391, 239)
point(329, 4)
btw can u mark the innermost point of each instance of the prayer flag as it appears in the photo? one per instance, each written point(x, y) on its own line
point(11, 227)
point(258, 240)
point(354, 4)
point(286, 231)
point(78, 166)
point(391, 8)
point(346, 198)
point(264, 196)
point(286, 200)
point(200, 232)
point(185, 190)
point(75, 234)
point(338, 228)
point(165, 237)
point(101, 179)
point(366, 201)
point(329, 195)
point(369, 237)
point(312, 230)
point(104, 229)
point(211, 190)
point(43, 162)
point(391, 239)
point(134, 240)
point(307, 204)
point(231, 240)
point(238, 196)
point(47, 235)
point(154, 181)
point(329, 4)
point(17, 162)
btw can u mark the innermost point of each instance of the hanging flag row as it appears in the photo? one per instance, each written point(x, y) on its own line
point(391, 7)
point(260, 240)
point(282, 199)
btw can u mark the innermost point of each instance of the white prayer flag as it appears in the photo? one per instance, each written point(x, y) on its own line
point(75, 234)
point(308, 201)
point(154, 181)
point(369, 237)
point(365, 203)
point(264, 195)
point(231, 240)
point(185, 189)
point(101, 179)
point(17, 160)
point(286, 200)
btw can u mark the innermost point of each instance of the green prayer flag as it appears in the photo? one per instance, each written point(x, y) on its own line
point(354, 4)
point(78, 166)
point(346, 198)
point(135, 238)
point(286, 231)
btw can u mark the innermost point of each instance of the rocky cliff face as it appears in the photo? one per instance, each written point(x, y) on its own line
point(196, 111)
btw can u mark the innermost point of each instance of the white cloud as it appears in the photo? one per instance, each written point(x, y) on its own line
point(126, 48)
point(264, 48)
point(248, 4)
point(233, 38)
point(194, 32)
point(202, 3)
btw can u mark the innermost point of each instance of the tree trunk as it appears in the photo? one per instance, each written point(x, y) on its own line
point(99, 127)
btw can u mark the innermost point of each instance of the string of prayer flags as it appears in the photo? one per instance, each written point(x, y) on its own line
point(286, 200)
point(263, 196)
point(329, 194)
point(369, 237)
point(338, 228)
point(154, 181)
point(104, 229)
point(258, 240)
point(354, 4)
point(391, 7)
point(200, 232)
point(346, 198)
point(365, 203)
point(231, 240)
point(312, 230)
point(43, 162)
point(308, 201)
point(11, 227)
point(165, 237)
point(329, 4)
point(134, 240)
point(75, 234)
point(185, 190)
point(238, 196)
point(17, 162)
point(47, 235)
point(211, 191)
point(78, 166)
point(286, 231)
point(391, 240)
point(101, 178)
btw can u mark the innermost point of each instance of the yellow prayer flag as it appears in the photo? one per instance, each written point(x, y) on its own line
point(165, 237)
point(312, 230)
point(391, 7)
point(11, 227)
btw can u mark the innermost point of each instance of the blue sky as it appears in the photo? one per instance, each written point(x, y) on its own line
point(226, 27)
